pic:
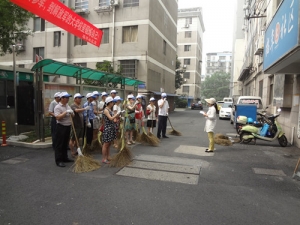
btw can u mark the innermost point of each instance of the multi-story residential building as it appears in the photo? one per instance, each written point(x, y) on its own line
point(138, 35)
point(190, 29)
point(218, 62)
point(271, 60)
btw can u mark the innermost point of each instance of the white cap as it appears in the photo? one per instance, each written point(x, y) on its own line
point(152, 99)
point(88, 95)
point(96, 93)
point(118, 98)
point(139, 96)
point(130, 96)
point(163, 95)
point(64, 94)
point(57, 94)
point(109, 99)
point(104, 94)
point(113, 92)
point(78, 95)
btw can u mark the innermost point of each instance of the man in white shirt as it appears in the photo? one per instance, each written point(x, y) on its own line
point(113, 93)
point(163, 112)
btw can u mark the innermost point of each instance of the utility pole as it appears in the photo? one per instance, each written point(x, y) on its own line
point(15, 90)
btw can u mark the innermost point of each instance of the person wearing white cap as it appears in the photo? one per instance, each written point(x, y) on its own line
point(113, 93)
point(163, 112)
point(53, 119)
point(139, 113)
point(102, 102)
point(151, 112)
point(88, 118)
point(117, 110)
point(62, 112)
point(109, 132)
point(130, 119)
point(211, 120)
point(78, 122)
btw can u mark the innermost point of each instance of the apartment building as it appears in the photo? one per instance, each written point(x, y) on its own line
point(218, 62)
point(190, 29)
point(271, 60)
point(138, 35)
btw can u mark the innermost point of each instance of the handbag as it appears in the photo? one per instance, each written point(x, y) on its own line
point(148, 112)
point(102, 128)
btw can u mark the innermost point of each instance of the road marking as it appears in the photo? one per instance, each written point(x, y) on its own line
point(270, 172)
point(193, 150)
point(15, 160)
point(166, 167)
point(172, 160)
point(159, 175)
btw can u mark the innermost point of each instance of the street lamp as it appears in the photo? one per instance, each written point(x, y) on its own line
point(15, 90)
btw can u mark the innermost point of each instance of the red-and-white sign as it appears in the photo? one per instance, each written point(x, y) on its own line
point(57, 13)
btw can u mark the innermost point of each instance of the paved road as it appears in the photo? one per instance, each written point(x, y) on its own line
point(231, 187)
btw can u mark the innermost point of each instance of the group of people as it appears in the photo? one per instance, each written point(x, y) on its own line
point(101, 112)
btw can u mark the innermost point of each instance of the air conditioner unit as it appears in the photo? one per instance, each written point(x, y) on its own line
point(105, 8)
point(114, 2)
point(187, 25)
point(82, 11)
point(20, 47)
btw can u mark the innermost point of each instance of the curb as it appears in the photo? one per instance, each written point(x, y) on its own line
point(40, 145)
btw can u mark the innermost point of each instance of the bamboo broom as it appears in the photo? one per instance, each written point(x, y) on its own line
point(83, 163)
point(173, 131)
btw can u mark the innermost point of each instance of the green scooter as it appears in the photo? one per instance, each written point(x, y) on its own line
point(270, 131)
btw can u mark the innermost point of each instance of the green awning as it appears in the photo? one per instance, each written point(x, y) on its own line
point(53, 67)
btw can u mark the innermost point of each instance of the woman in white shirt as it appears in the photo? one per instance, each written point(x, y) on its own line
point(151, 112)
point(211, 120)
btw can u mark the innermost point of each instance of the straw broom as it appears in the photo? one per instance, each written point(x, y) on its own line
point(124, 156)
point(173, 131)
point(148, 140)
point(151, 135)
point(83, 163)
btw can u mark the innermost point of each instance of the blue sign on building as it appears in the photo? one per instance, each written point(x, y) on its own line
point(282, 34)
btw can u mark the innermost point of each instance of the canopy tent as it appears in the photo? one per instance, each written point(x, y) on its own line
point(53, 67)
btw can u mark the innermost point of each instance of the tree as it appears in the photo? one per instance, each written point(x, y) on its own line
point(216, 86)
point(13, 25)
point(178, 76)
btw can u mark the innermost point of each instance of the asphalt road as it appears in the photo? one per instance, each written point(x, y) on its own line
point(35, 191)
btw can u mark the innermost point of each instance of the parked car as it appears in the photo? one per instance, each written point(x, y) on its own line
point(219, 104)
point(197, 106)
point(246, 100)
point(225, 110)
point(228, 99)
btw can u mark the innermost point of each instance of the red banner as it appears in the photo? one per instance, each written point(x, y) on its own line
point(57, 13)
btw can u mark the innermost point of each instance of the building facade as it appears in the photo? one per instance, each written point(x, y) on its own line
point(218, 62)
point(190, 29)
point(271, 60)
point(139, 36)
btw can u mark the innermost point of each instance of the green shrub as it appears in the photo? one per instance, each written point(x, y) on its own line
point(181, 103)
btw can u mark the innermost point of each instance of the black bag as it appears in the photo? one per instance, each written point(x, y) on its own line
point(130, 111)
point(132, 120)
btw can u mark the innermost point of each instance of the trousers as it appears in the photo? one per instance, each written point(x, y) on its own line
point(211, 141)
point(53, 130)
point(62, 137)
point(89, 133)
point(162, 126)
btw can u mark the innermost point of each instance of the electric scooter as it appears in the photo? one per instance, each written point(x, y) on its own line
point(269, 132)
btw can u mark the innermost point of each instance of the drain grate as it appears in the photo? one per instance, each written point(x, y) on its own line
point(270, 172)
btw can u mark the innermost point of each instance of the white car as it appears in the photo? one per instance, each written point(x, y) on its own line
point(225, 110)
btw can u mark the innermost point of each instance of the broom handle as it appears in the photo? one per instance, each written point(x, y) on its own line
point(170, 123)
point(296, 168)
point(77, 142)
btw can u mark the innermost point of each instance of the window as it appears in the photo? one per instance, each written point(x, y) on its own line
point(187, 48)
point(187, 61)
point(104, 2)
point(186, 75)
point(21, 65)
point(130, 34)
point(188, 34)
point(164, 47)
point(130, 3)
point(81, 4)
point(271, 81)
point(186, 89)
point(128, 68)
point(39, 24)
point(79, 41)
point(222, 57)
point(38, 54)
point(81, 64)
point(105, 38)
point(57, 35)
point(260, 88)
point(189, 20)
